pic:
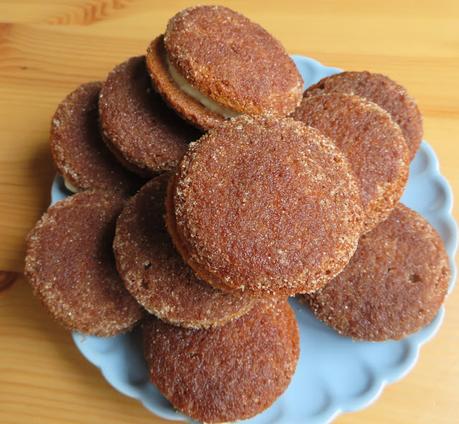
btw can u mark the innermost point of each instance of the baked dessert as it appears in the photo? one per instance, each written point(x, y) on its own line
point(372, 142)
point(77, 147)
point(138, 127)
point(156, 275)
point(227, 373)
point(394, 284)
point(213, 63)
point(383, 91)
point(265, 207)
point(71, 268)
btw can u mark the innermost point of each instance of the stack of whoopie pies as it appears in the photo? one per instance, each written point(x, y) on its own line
point(210, 188)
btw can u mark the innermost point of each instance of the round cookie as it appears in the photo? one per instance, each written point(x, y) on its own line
point(156, 275)
point(228, 373)
point(264, 206)
point(77, 148)
point(372, 142)
point(137, 125)
point(214, 63)
point(394, 284)
point(381, 90)
point(71, 268)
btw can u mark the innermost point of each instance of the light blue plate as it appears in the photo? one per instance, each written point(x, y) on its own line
point(334, 374)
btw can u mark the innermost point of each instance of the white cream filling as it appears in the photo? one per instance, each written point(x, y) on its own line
point(70, 187)
point(197, 95)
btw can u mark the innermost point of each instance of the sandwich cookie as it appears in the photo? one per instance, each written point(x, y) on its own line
point(372, 142)
point(143, 133)
point(264, 206)
point(213, 63)
point(77, 148)
point(156, 275)
point(379, 89)
point(394, 284)
point(71, 268)
point(228, 373)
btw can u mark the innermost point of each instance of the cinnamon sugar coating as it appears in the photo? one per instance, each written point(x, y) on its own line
point(381, 90)
point(77, 147)
point(372, 142)
point(264, 206)
point(227, 373)
point(157, 276)
point(71, 268)
point(137, 125)
point(230, 60)
point(394, 284)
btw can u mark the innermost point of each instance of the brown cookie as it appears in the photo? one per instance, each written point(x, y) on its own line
point(264, 206)
point(394, 284)
point(77, 148)
point(381, 90)
point(156, 275)
point(227, 373)
point(372, 142)
point(214, 63)
point(71, 268)
point(137, 125)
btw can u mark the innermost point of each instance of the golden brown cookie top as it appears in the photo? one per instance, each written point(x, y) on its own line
point(71, 267)
point(137, 125)
point(233, 61)
point(77, 147)
point(383, 91)
point(265, 206)
point(227, 373)
point(394, 284)
point(157, 276)
point(372, 142)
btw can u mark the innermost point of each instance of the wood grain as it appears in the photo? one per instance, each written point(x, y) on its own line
point(49, 47)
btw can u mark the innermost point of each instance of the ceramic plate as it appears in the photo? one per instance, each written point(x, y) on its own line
point(334, 374)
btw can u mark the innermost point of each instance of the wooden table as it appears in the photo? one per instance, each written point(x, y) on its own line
point(47, 48)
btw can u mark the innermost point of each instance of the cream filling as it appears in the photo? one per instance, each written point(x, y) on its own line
point(70, 187)
point(197, 95)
